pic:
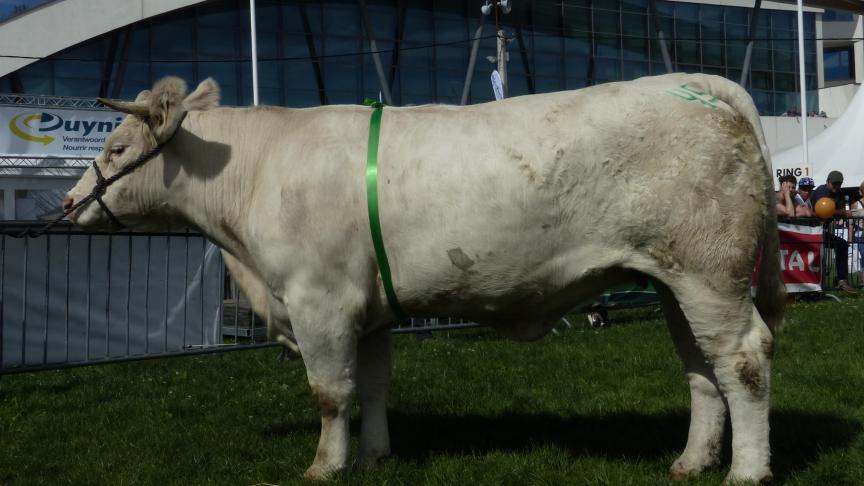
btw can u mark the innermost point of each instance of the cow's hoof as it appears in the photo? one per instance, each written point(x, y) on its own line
point(371, 458)
point(764, 477)
point(683, 468)
point(318, 472)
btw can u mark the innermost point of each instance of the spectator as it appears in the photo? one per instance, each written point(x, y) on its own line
point(785, 204)
point(858, 230)
point(803, 208)
point(831, 189)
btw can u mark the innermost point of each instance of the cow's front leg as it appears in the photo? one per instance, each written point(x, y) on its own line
point(328, 343)
point(373, 379)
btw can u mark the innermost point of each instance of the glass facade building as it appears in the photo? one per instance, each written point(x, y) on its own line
point(315, 52)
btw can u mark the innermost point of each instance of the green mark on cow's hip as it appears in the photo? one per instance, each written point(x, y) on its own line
point(692, 94)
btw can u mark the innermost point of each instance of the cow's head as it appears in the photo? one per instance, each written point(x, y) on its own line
point(152, 119)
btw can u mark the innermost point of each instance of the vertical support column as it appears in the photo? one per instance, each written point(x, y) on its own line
point(748, 54)
point(501, 54)
point(254, 45)
point(652, 6)
point(385, 88)
point(472, 61)
point(802, 80)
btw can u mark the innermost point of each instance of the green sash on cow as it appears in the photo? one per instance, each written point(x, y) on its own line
point(372, 200)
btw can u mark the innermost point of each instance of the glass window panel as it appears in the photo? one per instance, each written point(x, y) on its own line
point(785, 61)
point(453, 57)
point(634, 6)
point(785, 81)
point(131, 88)
point(577, 45)
point(658, 68)
point(218, 14)
point(418, 26)
point(447, 30)
point(607, 4)
point(415, 54)
point(481, 90)
point(337, 46)
point(383, 20)
point(216, 43)
point(225, 74)
point(449, 84)
point(139, 45)
point(340, 77)
point(711, 14)
point(269, 96)
point(79, 69)
point(607, 70)
point(686, 31)
point(547, 85)
point(547, 43)
point(810, 81)
point(342, 20)
point(635, 25)
point(713, 54)
point(75, 87)
point(268, 45)
point(343, 97)
point(782, 19)
point(301, 98)
point(548, 65)
point(737, 15)
point(761, 80)
point(267, 17)
point(577, 66)
point(712, 33)
point(764, 101)
point(546, 15)
point(606, 22)
point(634, 69)
point(417, 81)
point(607, 47)
point(295, 46)
point(689, 68)
point(687, 11)
point(687, 52)
point(577, 19)
point(666, 8)
point(292, 20)
point(761, 58)
point(173, 41)
point(576, 83)
point(517, 85)
point(735, 54)
point(635, 49)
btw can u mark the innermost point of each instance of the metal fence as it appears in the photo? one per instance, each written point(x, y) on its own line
point(72, 298)
point(843, 240)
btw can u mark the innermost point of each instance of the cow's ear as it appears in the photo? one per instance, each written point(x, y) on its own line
point(166, 106)
point(205, 96)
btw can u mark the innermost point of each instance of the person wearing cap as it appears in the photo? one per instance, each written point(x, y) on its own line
point(803, 208)
point(831, 189)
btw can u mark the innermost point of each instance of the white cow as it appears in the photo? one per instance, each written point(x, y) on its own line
point(507, 213)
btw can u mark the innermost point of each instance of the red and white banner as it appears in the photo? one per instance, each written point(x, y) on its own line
point(801, 257)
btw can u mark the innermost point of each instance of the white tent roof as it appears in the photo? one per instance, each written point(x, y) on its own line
point(838, 147)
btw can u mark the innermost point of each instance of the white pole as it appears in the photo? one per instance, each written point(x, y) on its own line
point(254, 52)
point(801, 81)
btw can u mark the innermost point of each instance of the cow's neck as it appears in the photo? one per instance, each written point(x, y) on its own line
point(212, 183)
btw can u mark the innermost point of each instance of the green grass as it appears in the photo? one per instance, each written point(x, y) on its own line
point(585, 407)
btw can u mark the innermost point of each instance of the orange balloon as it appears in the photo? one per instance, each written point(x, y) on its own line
point(825, 208)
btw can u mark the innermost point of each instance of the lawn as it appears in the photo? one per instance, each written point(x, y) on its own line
point(584, 407)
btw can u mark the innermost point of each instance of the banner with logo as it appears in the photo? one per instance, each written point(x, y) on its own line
point(29, 130)
point(800, 257)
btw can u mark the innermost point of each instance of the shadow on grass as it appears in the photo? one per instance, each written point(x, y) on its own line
point(798, 438)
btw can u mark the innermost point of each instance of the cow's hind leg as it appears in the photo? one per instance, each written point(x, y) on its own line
point(327, 337)
point(373, 370)
point(707, 407)
point(735, 340)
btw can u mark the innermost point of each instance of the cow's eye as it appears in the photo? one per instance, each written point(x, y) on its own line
point(117, 150)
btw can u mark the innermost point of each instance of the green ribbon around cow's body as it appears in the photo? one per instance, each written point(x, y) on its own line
point(372, 200)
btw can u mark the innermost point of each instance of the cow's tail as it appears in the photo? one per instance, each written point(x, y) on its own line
point(770, 296)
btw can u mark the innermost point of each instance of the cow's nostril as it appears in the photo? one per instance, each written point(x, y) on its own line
point(67, 203)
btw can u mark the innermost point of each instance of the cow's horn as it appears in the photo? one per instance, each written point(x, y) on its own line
point(140, 108)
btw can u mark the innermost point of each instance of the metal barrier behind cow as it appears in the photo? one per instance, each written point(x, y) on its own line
point(72, 298)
